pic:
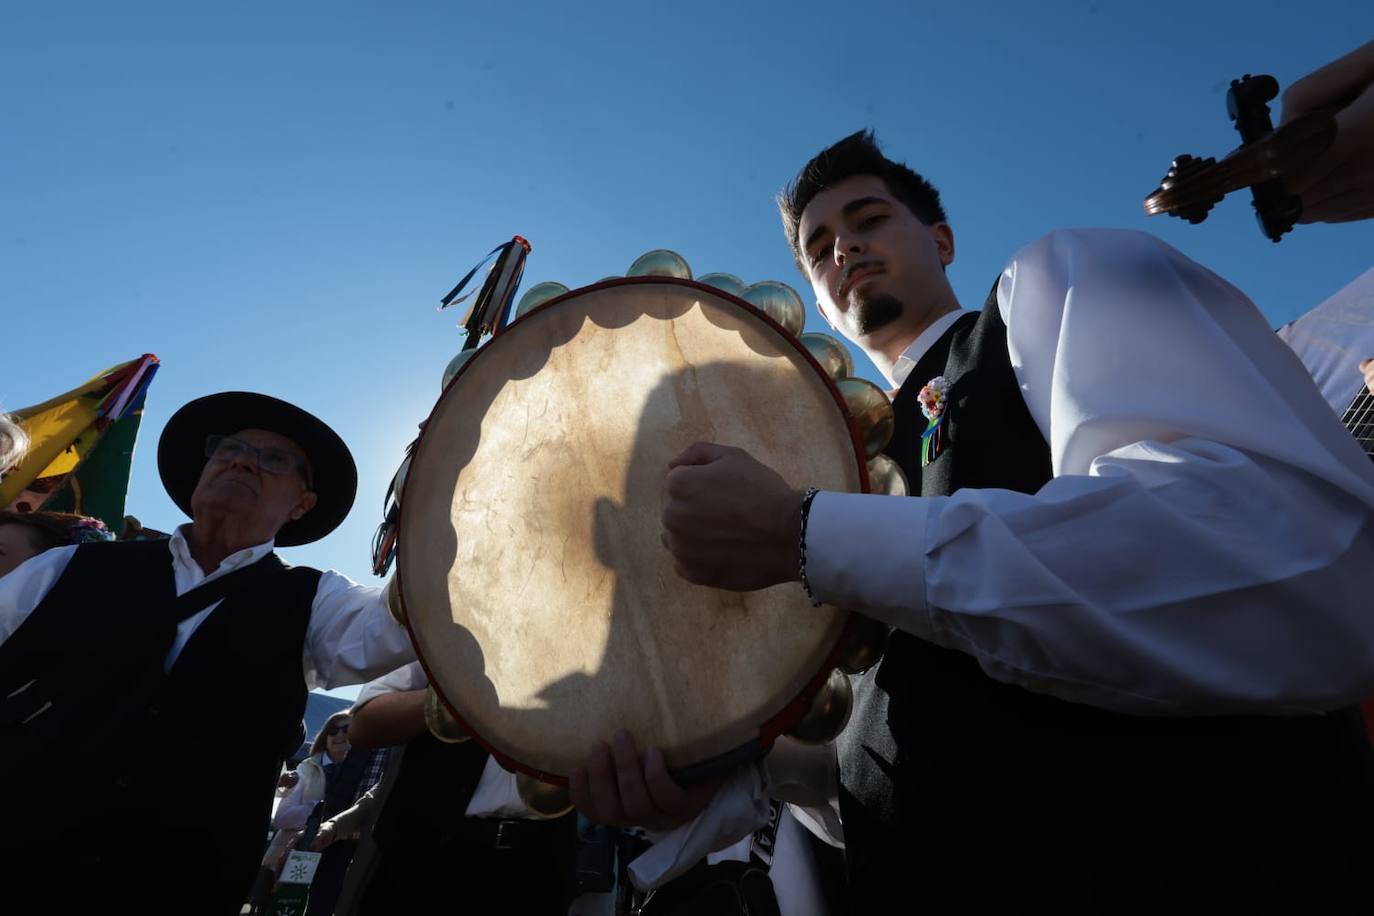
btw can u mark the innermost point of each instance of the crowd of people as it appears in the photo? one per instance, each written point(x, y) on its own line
point(1130, 631)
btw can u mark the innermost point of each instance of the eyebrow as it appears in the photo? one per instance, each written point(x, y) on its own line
point(848, 209)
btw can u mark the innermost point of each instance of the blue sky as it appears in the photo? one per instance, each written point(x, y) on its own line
point(274, 196)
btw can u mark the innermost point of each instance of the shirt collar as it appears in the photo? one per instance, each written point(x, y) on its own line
point(181, 554)
point(912, 354)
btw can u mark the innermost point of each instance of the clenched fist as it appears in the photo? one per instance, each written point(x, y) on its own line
point(730, 522)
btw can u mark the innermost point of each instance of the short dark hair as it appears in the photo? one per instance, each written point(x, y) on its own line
point(857, 154)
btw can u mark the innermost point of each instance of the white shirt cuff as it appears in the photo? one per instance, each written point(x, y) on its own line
point(867, 552)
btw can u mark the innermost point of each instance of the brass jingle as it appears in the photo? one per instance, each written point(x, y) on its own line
point(865, 641)
point(829, 712)
point(728, 283)
point(660, 263)
point(538, 294)
point(441, 724)
point(778, 301)
point(830, 353)
point(885, 476)
point(393, 601)
point(455, 364)
point(544, 799)
point(872, 413)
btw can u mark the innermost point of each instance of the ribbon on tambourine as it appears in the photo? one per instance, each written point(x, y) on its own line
point(493, 299)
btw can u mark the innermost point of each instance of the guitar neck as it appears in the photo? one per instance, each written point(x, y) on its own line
point(1359, 419)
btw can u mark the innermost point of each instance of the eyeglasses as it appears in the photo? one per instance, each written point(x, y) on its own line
point(271, 460)
point(333, 730)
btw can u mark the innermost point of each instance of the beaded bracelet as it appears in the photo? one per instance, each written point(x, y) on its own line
point(801, 546)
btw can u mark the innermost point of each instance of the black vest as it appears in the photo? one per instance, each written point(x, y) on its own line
point(177, 769)
point(961, 794)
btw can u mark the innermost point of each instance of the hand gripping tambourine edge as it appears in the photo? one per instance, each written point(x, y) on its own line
point(793, 710)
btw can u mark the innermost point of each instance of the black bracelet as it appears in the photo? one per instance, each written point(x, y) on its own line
point(801, 546)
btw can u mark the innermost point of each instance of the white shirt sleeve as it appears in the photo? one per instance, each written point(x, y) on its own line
point(352, 637)
point(1205, 542)
point(25, 586)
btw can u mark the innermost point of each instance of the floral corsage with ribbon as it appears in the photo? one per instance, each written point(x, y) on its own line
point(934, 400)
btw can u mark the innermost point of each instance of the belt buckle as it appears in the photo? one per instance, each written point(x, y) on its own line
point(505, 835)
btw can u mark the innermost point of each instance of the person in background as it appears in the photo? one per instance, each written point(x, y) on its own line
point(137, 644)
point(27, 534)
point(330, 779)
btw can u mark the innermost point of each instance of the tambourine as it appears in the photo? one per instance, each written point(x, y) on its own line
point(530, 570)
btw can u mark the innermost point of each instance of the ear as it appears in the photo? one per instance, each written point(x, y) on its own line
point(308, 500)
point(944, 242)
point(820, 307)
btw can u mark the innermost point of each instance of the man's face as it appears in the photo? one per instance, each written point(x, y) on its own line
point(17, 544)
point(234, 484)
point(877, 271)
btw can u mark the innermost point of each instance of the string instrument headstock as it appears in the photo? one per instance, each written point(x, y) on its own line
point(1193, 186)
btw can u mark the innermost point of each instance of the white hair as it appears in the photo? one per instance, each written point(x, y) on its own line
point(13, 443)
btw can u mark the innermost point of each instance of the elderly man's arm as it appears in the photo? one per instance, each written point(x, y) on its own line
point(352, 636)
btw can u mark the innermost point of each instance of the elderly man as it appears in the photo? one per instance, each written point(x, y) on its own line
point(151, 689)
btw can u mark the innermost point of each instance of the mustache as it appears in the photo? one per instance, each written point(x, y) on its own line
point(853, 266)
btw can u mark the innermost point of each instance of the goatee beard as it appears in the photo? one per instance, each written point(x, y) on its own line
point(874, 313)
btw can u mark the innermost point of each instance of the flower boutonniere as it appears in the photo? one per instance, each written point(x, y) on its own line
point(934, 399)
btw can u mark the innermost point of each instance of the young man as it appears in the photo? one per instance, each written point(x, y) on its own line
point(121, 663)
point(1130, 616)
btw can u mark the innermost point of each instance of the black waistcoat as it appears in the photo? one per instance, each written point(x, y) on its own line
point(961, 794)
point(175, 769)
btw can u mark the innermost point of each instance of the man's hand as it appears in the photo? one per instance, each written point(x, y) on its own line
point(620, 787)
point(1338, 187)
point(324, 837)
point(730, 522)
point(1367, 370)
point(288, 779)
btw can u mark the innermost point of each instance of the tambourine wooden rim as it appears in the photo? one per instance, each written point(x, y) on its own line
point(769, 729)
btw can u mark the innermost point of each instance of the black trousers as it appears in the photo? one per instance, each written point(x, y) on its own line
point(483, 866)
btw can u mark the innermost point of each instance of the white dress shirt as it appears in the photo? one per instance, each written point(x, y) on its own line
point(1203, 547)
point(350, 637)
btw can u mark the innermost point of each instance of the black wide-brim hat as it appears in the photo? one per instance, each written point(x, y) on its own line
point(334, 476)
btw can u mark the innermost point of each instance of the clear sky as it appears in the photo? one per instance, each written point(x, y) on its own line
point(274, 196)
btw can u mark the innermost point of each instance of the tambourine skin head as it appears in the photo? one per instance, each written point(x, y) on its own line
point(542, 798)
point(871, 411)
point(864, 644)
point(886, 477)
point(728, 283)
point(536, 587)
point(442, 725)
point(393, 601)
point(778, 301)
point(537, 295)
point(830, 353)
point(829, 712)
point(455, 364)
point(660, 263)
